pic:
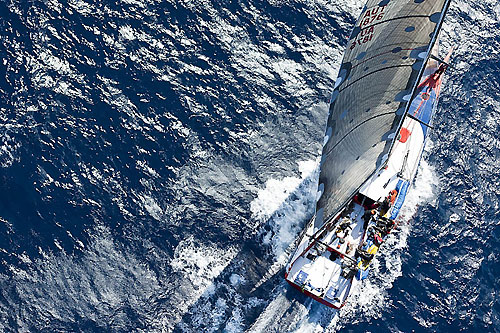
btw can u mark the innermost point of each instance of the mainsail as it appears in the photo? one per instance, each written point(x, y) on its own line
point(384, 59)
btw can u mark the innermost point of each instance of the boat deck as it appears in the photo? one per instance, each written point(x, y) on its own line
point(318, 270)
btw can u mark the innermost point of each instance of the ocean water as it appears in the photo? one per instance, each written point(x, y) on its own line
point(158, 158)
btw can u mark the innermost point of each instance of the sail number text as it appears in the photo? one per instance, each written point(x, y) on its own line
point(364, 36)
point(372, 15)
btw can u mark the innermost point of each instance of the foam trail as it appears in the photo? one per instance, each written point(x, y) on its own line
point(281, 207)
point(281, 314)
point(197, 265)
point(275, 309)
point(284, 214)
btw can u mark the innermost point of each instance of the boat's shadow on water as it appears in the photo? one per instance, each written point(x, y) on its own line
point(254, 278)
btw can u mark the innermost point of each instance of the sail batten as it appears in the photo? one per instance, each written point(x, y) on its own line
point(384, 59)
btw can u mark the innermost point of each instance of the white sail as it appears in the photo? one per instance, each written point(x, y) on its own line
point(383, 62)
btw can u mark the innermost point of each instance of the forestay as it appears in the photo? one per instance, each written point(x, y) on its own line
point(383, 61)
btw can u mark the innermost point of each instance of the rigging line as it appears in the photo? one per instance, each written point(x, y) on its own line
point(405, 162)
point(410, 140)
point(417, 110)
point(414, 117)
point(411, 126)
point(420, 121)
point(362, 204)
point(442, 61)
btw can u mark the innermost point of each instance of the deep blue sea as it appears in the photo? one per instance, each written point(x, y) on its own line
point(157, 159)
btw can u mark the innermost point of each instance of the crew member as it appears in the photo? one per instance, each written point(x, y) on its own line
point(388, 202)
point(377, 238)
point(393, 195)
point(367, 216)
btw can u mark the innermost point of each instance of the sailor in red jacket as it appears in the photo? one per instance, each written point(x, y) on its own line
point(393, 195)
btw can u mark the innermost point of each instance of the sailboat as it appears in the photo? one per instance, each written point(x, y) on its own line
point(380, 116)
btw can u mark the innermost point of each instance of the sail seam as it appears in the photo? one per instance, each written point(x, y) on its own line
point(381, 54)
point(352, 129)
point(378, 70)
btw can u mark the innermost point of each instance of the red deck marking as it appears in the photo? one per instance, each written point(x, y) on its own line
point(405, 134)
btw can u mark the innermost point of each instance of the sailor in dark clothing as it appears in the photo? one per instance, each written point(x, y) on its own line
point(388, 202)
point(363, 254)
point(367, 216)
point(344, 227)
point(385, 225)
point(384, 207)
